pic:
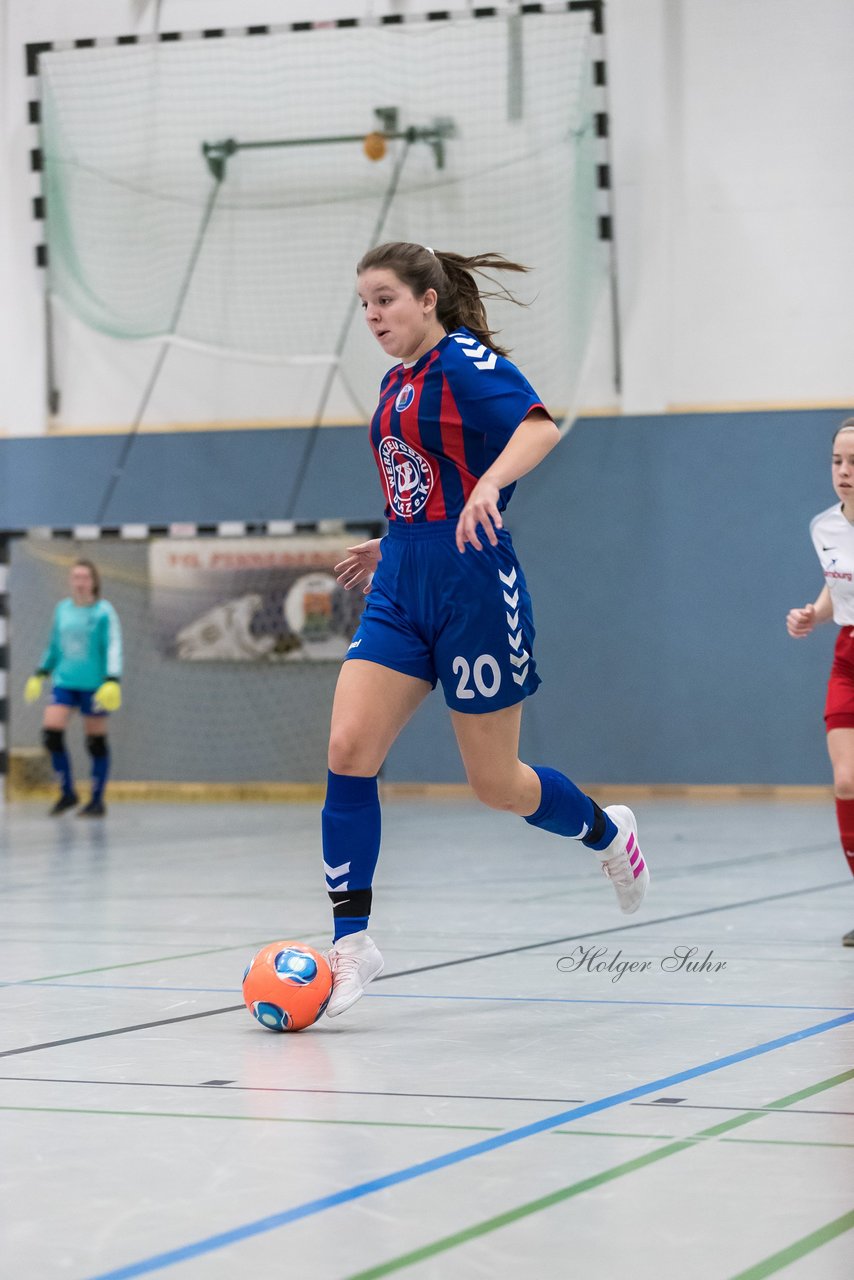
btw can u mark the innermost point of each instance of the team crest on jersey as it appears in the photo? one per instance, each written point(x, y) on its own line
point(409, 479)
point(405, 396)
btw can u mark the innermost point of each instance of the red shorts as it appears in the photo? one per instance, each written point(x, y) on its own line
point(839, 706)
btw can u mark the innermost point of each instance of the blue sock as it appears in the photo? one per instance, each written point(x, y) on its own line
point(351, 826)
point(99, 749)
point(566, 811)
point(100, 773)
point(61, 762)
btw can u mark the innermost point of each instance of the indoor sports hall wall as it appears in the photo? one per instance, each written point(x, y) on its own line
point(731, 139)
point(664, 547)
point(662, 554)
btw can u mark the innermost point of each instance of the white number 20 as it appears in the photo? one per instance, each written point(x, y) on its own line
point(485, 663)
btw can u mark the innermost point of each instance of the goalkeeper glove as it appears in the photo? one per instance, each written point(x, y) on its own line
point(33, 688)
point(109, 695)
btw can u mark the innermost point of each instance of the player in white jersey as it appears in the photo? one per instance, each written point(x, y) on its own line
point(833, 537)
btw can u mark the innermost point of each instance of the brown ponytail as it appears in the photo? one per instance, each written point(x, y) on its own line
point(450, 274)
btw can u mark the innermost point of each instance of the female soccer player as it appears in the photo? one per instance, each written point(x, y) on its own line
point(833, 538)
point(456, 426)
point(84, 659)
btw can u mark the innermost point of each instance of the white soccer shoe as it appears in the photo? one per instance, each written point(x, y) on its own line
point(355, 961)
point(623, 862)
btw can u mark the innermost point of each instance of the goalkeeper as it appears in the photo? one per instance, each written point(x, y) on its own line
point(84, 660)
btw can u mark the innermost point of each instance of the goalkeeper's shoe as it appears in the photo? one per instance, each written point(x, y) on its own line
point(94, 809)
point(68, 800)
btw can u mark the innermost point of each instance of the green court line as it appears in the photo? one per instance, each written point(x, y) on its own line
point(799, 1249)
point(210, 1115)
point(671, 1137)
point(784, 1142)
point(407, 1124)
point(134, 964)
point(610, 1133)
point(513, 1215)
point(597, 1180)
point(811, 1090)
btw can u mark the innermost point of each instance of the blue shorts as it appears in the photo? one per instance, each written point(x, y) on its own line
point(464, 619)
point(81, 698)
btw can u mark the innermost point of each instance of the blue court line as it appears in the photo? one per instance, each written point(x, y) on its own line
point(260, 1226)
point(390, 995)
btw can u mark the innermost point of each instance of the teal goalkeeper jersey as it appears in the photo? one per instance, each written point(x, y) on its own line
point(85, 646)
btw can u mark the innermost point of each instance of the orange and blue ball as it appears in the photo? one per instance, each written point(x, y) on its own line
point(287, 986)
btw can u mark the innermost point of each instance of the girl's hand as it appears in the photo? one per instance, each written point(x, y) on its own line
point(359, 565)
point(481, 509)
point(800, 622)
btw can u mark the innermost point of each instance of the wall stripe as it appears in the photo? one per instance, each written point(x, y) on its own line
point(4, 652)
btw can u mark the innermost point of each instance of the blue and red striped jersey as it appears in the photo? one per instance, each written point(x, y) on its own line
point(441, 422)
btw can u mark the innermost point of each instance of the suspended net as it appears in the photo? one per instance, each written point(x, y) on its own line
point(232, 648)
point(486, 142)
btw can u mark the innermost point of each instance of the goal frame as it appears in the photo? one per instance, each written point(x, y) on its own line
point(86, 537)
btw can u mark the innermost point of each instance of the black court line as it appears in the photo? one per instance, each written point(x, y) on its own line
point(259, 1088)
point(118, 1031)
point(385, 1093)
point(445, 964)
point(620, 928)
point(679, 873)
point(702, 1106)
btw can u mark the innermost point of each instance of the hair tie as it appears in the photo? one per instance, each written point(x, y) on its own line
point(429, 250)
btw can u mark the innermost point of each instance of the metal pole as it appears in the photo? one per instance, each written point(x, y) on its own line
point(343, 333)
point(130, 438)
point(218, 153)
point(52, 390)
point(5, 544)
point(614, 280)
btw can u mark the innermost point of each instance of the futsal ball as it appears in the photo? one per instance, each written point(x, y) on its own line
point(287, 986)
point(374, 146)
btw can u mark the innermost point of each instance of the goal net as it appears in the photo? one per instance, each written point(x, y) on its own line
point(232, 647)
point(490, 146)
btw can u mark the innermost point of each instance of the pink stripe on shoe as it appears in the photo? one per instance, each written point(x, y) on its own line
point(633, 859)
point(630, 843)
point(639, 868)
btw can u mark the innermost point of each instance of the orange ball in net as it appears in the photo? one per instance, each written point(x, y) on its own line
point(374, 146)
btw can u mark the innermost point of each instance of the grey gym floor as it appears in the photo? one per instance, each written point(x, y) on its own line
point(489, 1109)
